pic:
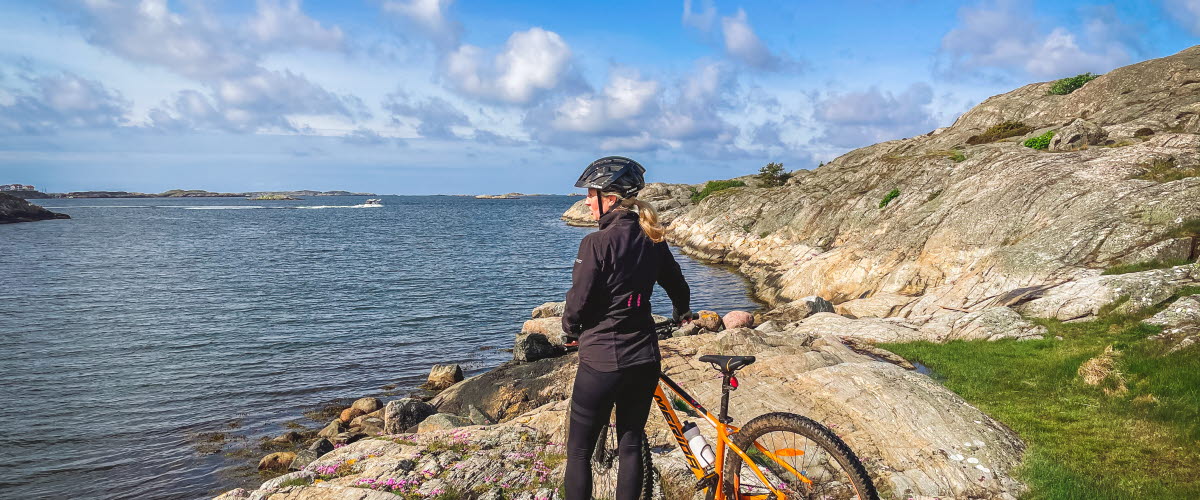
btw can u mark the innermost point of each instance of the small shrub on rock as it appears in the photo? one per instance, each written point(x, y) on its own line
point(999, 131)
point(773, 175)
point(1166, 170)
point(889, 197)
point(1041, 141)
point(1068, 85)
point(714, 186)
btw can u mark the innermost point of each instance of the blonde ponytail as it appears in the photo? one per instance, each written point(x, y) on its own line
point(647, 218)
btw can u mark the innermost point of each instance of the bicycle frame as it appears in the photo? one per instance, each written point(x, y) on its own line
point(724, 430)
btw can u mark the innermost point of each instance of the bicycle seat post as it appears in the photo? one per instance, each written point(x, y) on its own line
point(726, 387)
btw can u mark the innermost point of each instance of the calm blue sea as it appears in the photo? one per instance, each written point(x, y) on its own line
point(141, 326)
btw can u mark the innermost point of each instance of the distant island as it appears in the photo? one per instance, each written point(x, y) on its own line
point(271, 197)
point(508, 196)
point(31, 194)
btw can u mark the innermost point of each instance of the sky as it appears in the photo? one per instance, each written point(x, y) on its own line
point(468, 97)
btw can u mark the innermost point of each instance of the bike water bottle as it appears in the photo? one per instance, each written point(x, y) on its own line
point(700, 448)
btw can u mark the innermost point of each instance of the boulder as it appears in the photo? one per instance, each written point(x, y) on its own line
point(532, 347)
point(443, 376)
point(738, 319)
point(350, 414)
point(548, 310)
point(321, 446)
point(1077, 134)
point(334, 428)
point(368, 405)
point(709, 320)
point(357, 422)
point(348, 437)
point(579, 215)
point(277, 461)
point(478, 417)
point(1185, 311)
point(303, 458)
point(368, 425)
point(797, 310)
point(993, 323)
point(550, 327)
point(401, 414)
point(441, 422)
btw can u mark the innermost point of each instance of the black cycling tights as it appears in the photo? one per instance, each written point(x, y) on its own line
point(595, 394)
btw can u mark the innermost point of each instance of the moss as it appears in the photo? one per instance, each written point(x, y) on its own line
point(297, 481)
point(713, 187)
point(1189, 228)
point(889, 197)
point(999, 131)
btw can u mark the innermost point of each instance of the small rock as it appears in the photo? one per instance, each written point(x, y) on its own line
point(401, 414)
point(687, 330)
point(303, 458)
point(443, 376)
point(441, 422)
point(370, 425)
point(277, 461)
point(738, 319)
point(288, 437)
point(548, 310)
point(532, 347)
point(1077, 134)
point(799, 309)
point(358, 421)
point(709, 320)
point(321, 447)
point(333, 429)
point(368, 405)
point(350, 414)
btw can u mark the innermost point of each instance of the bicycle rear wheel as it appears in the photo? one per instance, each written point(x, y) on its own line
point(605, 463)
point(802, 446)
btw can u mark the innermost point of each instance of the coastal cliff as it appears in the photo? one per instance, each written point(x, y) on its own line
point(13, 209)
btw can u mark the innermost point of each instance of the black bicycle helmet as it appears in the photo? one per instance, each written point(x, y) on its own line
point(614, 174)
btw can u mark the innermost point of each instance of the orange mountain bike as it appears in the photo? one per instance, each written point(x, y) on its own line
point(775, 456)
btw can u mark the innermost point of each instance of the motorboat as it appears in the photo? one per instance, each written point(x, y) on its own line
point(373, 202)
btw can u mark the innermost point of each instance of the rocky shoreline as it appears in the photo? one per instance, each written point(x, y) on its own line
point(13, 209)
point(953, 235)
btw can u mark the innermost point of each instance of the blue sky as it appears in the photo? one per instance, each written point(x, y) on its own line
point(443, 96)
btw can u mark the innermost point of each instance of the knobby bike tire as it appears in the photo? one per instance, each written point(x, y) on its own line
point(852, 469)
point(605, 460)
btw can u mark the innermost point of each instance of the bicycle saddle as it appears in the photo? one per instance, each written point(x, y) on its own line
point(728, 364)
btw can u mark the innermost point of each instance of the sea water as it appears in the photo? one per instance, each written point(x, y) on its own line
point(150, 343)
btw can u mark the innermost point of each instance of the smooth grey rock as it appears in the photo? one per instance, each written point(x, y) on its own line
point(369, 425)
point(477, 417)
point(303, 458)
point(401, 414)
point(692, 328)
point(798, 309)
point(334, 428)
point(441, 422)
point(321, 446)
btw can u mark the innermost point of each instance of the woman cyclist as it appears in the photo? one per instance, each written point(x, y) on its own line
point(608, 314)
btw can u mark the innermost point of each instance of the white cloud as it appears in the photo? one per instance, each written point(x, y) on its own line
point(430, 17)
point(744, 45)
point(856, 119)
point(435, 118)
point(625, 98)
point(533, 62)
point(64, 101)
point(1001, 36)
point(703, 19)
point(284, 25)
point(1186, 13)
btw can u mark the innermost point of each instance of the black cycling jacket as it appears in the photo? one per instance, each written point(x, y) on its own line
point(608, 305)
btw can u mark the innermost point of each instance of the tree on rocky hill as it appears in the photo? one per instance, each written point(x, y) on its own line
point(773, 175)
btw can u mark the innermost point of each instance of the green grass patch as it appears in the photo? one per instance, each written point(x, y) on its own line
point(714, 186)
point(887, 198)
point(999, 131)
point(296, 481)
point(1145, 266)
point(1082, 443)
point(1188, 228)
point(1039, 142)
point(1166, 170)
point(1068, 85)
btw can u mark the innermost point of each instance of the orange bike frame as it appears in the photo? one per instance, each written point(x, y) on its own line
point(723, 440)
